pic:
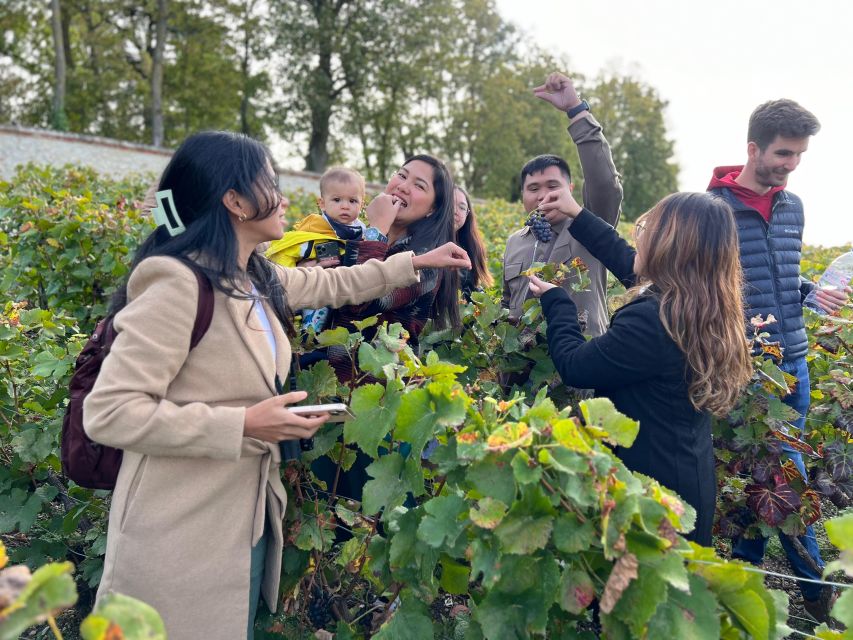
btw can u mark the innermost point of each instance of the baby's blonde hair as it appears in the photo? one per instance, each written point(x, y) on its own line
point(341, 175)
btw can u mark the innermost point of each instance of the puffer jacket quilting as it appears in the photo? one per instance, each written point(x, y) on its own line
point(770, 258)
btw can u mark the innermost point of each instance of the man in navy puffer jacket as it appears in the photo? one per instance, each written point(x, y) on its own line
point(770, 229)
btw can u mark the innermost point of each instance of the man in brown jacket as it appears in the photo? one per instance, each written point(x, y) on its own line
point(602, 194)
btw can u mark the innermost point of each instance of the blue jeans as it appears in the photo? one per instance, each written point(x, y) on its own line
point(752, 549)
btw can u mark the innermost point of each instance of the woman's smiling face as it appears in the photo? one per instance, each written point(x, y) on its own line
point(413, 186)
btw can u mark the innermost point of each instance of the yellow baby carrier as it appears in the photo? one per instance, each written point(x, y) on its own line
point(313, 229)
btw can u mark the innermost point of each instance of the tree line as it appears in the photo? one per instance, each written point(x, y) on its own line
point(364, 82)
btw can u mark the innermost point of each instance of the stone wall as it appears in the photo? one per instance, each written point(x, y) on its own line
point(20, 145)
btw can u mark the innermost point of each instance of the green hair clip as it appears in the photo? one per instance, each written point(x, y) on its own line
point(169, 218)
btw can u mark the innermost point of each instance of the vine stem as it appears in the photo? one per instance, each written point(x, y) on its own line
point(338, 473)
point(440, 487)
point(14, 386)
point(566, 505)
point(398, 587)
point(53, 627)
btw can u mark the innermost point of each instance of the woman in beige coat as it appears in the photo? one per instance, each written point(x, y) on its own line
point(198, 503)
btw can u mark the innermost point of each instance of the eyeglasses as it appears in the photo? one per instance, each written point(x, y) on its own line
point(639, 227)
point(463, 208)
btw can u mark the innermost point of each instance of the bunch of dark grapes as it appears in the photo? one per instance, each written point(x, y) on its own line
point(540, 227)
point(319, 612)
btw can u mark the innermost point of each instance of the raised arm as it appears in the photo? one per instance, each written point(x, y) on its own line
point(602, 190)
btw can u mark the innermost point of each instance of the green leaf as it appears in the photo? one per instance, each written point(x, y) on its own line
point(527, 526)
point(416, 420)
point(687, 616)
point(373, 360)
point(640, 600)
point(313, 536)
point(386, 490)
point(18, 511)
point(492, 477)
point(136, 619)
point(410, 620)
point(319, 381)
point(333, 337)
point(843, 609)
point(572, 536)
point(517, 606)
point(454, 576)
point(488, 513)
point(485, 560)
point(444, 520)
point(50, 591)
point(604, 421)
point(375, 408)
point(526, 469)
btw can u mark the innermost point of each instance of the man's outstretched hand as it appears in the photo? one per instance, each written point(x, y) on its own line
point(559, 90)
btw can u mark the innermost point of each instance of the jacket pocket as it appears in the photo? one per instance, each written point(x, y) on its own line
point(132, 489)
point(512, 270)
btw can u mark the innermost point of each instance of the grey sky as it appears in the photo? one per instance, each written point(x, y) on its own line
point(715, 62)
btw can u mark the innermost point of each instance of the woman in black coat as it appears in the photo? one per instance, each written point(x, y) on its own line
point(676, 353)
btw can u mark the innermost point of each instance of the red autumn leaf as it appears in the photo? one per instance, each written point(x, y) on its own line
point(773, 504)
point(795, 443)
point(810, 511)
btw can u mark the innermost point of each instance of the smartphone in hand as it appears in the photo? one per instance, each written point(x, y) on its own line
point(338, 411)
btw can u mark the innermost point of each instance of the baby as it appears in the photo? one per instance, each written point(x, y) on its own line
point(319, 240)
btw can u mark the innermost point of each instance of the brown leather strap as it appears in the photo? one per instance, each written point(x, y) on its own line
point(204, 310)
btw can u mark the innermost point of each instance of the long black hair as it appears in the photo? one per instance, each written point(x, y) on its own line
point(469, 238)
point(433, 231)
point(202, 170)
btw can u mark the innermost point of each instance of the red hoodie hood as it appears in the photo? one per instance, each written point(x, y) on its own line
point(725, 177)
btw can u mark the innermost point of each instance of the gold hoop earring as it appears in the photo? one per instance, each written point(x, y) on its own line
point(242, 218)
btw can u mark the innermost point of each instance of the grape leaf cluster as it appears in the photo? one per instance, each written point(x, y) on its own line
point(540, 227)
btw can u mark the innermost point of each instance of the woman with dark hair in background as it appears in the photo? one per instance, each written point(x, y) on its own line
point(195, 525)
point(468, 237)
point(676, 353)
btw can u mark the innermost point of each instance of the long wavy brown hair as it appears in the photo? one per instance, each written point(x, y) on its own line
point(470, 239)
point(689, 256)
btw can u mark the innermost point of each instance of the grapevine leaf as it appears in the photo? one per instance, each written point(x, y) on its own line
point(133, 619)
point(375, 408)
point(488, 513)
point(640, 600)
point(492, 477)
point(604, 421)
point(50, 590)
point(444, 521)
point(576, 591)
point(772, 504)
point(410, 620)
point(571, 535)
point(687, 615)
point(454, 576)
point(386, 489)
point(416, 420)
point(528, 524)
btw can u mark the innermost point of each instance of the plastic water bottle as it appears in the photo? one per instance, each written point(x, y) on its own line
point(837, 276)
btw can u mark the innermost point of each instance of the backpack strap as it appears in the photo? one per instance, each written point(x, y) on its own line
point(204, 310)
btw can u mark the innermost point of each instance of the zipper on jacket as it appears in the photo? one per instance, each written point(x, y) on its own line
point(781, 319)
